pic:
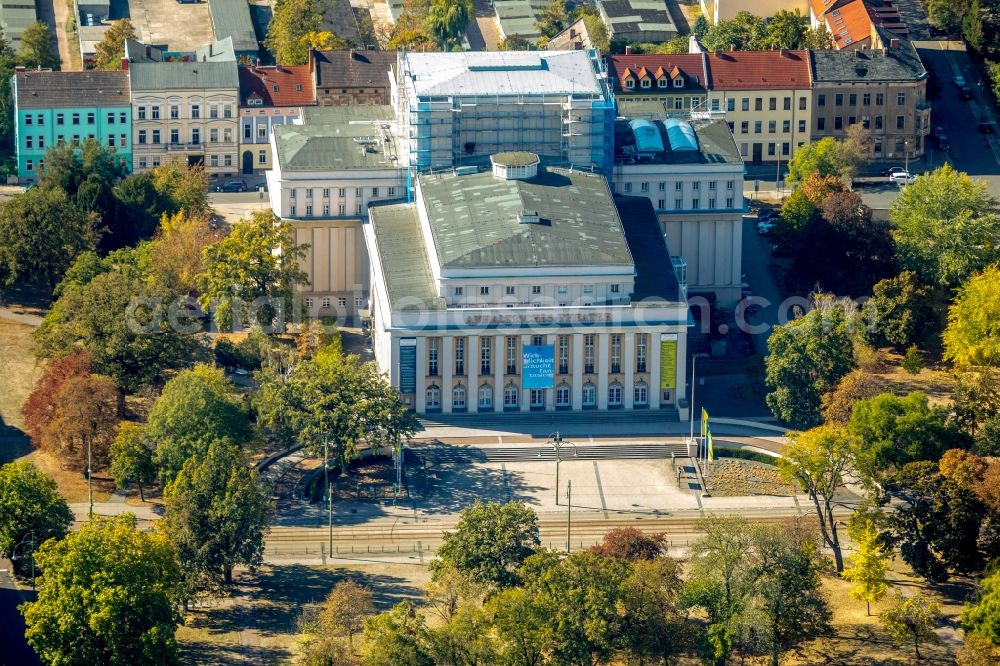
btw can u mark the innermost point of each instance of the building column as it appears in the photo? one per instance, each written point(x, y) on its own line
point(550, 394)
point(446, 365)
point(498, 370)
point(472, 371)
point(525, 404)
point(628, 369)
point(653, 354)
point(394, 361)
point(681, 366)
point(576, 370)
point(421, 372)
point(602, 341)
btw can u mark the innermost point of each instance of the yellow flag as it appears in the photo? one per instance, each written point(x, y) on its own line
point(711, 443)
point(704, 422)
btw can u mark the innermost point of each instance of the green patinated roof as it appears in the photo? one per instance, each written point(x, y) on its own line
point(338, 137)
point(514, 158)
point(474, 220)
point(404, 260)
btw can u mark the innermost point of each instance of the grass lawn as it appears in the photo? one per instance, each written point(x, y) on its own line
point(18, 372)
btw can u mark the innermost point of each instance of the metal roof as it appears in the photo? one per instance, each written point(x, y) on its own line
point(647, 136)
point(474, 220)
point(714, 144)
point(405, 264)
point(231, 18)
point(334, 138)
point(502, 73)
point(50, 90)
point(184, 75)
point(15, 17)
point(680, 135)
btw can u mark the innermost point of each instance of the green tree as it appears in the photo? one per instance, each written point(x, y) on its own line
point(786, 30)
point(599, 37)
point(109, 51)
point(520, 621)
point(132, 457)
point(292, 21)
point(869, 564)
point(826, 157)
point(817, 460)
point(198, 406)
point(900, 312)
point(983, 615)
point(947, 14)
point(122, 323)
point(817, 39)
point(946, 226)
point(897, 430)
point(396, 637)
point(700, 26)
point(489, 543)
point(912, 619)
point(105, 597)
point(217, 512)
point(36, 47)
point(333, 400)
point(808, 357)
point(515, 43)
point(447, 21)
point(651, 626)
point(41, 233)
point(972, 25)
point(855, 385)
point(912, 361)
point(464, 639)
point(744, 32)
point(250, 274)
point(972, 338)
point(345, 609)
point(31, 510)
point(552, 19)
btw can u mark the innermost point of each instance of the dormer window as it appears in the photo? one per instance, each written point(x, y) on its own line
point(679, 82)
point(662, 83)
point(254, 101)
point(630, 84)
point(645, 83)
point(274, 88)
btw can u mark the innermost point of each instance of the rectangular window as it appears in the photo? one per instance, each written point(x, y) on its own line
point(432, 356)
point(900, 99)
point(802, 126)
point(291, 208)
point(326, 192)
point(771, 149)
point(459, 356)
point(866, 99)
point(745, 127)
point(678, 204)
point(213, 111)
point(175, 111)
point(28, 118)
point(820, 124)
point(644, 187)
point(392, 192)
point(758, 104)
point(563, 359)
point(588, 288)
point(536, 289)
point(326, 210)
point(60, 119)
point(879, 99)
point(510, 291)
point(588, 353)
point(156, 136)
point(227, 111)
point(695, 204)
point(111, 141)
point(785, 148)
point(786, 126)
point(484, 291)
point(485, 355)
point(745, 104)
point(731, 104)
point(155, 112)
point(878, 122)
point(111, 117)
point(91, 118)
point(214, 161)
point(262, 132)
point(615, 341)
point(729, 202)
point(196, 111)
point(76, 118)
point(29, 141)
point(821, 100)
point(261, 157)
point(175, 136)
point(309, 210)
point(511, 356)
point(213, 135)
point(121, 140)
point(772, 104)
point(758, 126)
point(838, 123)
point(341, 210)
point(900, 122)
point(195, 135)
point(852, 99)
point(628, 187)
point(772, 126)
point(802, 103)
point(325, 301)
point(640, 352)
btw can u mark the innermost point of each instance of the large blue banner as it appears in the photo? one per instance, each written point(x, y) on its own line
point(538, 363)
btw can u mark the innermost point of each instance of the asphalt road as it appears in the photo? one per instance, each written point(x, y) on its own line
point(14, 650)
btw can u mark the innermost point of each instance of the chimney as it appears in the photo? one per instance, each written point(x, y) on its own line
point(893, 43)
point(124, 64)
point(784, 53)
point(628, 50)
point(20, 69)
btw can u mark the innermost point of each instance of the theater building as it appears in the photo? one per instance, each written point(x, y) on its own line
point(525, 288)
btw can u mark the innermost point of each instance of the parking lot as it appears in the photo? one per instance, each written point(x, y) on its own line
point(181, 26)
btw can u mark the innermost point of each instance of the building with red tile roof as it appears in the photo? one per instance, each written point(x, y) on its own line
point(766, 98)
point(679, 80)
point(269, 96)
point(850, 22)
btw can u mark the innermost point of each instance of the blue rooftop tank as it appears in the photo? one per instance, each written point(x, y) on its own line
point(647, 136)
point(680, 135)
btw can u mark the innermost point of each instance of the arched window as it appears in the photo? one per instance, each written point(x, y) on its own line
point(485, 397)
point(562, 395)
point(458, 397)
point(433, 397)
point(589, 395)
point(509, 396)
point(640, 394)
point(615, 395)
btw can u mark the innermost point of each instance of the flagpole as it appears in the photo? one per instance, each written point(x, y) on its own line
point(694, 363)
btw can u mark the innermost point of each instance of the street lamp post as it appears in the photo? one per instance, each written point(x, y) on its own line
point(90, 483)
point(694, 365)
point(569, 512)
point(329, 496)
point(557, 443)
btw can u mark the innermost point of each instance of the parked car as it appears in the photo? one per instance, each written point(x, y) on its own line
point(986, 127)
point(765, 214)
point(891, 170)
point(959, 80)
point(764, 226)
point(902, 178)
point(965, 92)
point(233, 186)
point(942, 141)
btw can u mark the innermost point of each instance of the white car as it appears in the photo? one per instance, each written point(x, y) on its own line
point(959, 80)
point(902, 178)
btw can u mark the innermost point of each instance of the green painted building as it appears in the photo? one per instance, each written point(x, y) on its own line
point(50, 107)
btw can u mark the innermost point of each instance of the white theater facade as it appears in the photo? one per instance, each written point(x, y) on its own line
point(525, 288)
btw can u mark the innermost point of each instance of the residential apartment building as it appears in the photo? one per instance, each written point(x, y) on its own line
point(850, 22)
point(460, 108)
point(766, 98)
point(345, 78)
point(185, 110)
point(679, 81)
point(524, 288)
point(71, 107)
point(883, 88)
point(269, 96)
point(692, 174)
point(326, 172)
